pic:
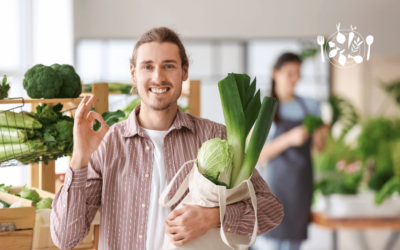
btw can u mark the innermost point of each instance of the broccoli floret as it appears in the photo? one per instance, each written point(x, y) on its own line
point(71, 82)
point(42, 82)
point(65, 130)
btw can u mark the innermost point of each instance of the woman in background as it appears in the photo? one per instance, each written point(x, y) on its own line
point(287, 151)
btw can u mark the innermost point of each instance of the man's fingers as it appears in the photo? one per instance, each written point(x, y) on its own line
point(175, 213)
point(88, 105)
point(96, 116)
point(79, 113)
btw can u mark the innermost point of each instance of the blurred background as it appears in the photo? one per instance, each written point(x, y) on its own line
point(358, 103)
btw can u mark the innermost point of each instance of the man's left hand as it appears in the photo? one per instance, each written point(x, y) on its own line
point(190, 222)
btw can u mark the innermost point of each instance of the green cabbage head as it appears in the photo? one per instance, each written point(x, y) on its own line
point(214, 161)
point(44, 203)
point(29, 194)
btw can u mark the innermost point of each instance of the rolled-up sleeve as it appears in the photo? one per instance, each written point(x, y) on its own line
point(240, 219)
point(77, 202)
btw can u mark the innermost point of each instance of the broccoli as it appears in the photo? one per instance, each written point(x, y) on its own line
point(65, 130)
point(4, 88)
point(71, 82)
point(42, 82)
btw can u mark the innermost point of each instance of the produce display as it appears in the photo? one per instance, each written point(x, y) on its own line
point(124, 88)
point(55, 81)
point(29, 194)
point(230, 162)
point(4, 88)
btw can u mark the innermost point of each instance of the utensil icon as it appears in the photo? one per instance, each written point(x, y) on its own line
point(370, 40)
point(342, 58)
point(320, 40)
point(357, 59)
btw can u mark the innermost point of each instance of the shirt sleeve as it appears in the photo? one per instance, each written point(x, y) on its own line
point(77, 202)
point(239, 217)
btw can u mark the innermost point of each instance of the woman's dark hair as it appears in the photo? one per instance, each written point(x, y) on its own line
point(284, 58)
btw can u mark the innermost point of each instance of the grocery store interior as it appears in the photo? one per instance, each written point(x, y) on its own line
point(356, 174)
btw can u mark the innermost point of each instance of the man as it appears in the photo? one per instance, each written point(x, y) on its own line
point(125, 168)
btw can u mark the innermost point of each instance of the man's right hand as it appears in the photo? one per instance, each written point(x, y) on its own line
point(86, 140)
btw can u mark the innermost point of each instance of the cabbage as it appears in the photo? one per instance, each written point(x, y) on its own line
point(44, 203)
point(29, 194)
point(214, 160)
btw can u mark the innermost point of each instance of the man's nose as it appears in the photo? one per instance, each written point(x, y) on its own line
point(158, 76)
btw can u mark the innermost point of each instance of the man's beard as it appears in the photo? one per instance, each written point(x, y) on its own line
point(162, 106)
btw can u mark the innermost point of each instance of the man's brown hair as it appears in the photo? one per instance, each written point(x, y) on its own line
point(161, 35)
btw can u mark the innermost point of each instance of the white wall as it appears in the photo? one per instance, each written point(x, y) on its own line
point(240, 19)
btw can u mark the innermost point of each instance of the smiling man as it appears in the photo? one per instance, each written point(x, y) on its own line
point(125, 168)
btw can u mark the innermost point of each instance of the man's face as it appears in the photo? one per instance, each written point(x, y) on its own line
point(158, 74)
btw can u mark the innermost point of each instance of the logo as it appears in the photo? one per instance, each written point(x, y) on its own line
point(346, 47)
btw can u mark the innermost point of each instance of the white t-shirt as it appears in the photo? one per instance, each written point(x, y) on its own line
point(157, 213)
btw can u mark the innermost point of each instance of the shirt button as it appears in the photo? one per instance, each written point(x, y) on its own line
point(146, 175)
point(229, 229)
point(147, 148)
point(250, 234)
point(143, 205)
point(64, 205)
point(69, 179)
point(140, 236)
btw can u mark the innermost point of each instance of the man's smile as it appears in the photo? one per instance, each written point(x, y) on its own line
point(159, 91)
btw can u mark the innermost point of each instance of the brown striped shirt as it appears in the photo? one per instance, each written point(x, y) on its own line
point(118, 178)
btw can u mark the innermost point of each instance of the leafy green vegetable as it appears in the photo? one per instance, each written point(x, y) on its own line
point(234, 119)
point(47, 115)
point(71, 82)
point(339, 184)
point(312, 122)
point(215, 181)
point(5, 204)
point(44, 203)
point(65, 130)
point(4, 88)
point(3, 188)
point(110, 118)
point(390, 187)
point(29, 194)
point(42, 82)
point(344, 112)
point(380, 178)
point(214, 159)
point(394, 90)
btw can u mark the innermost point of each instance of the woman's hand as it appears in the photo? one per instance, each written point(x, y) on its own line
point(86, 140)
point(319, 137)
point(297, 136)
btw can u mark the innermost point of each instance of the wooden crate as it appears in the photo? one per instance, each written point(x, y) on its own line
point(41, 231)
point(23, 217)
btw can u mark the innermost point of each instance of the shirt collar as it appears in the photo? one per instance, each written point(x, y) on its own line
point(132, 125)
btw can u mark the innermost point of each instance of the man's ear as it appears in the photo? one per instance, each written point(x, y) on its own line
point(133, 74)
point(185, 70)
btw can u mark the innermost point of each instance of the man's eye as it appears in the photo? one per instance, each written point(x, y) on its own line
point(147, 67)
point(169, 66)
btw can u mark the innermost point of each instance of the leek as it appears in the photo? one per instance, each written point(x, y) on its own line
point(234, 120)
point(257, 139)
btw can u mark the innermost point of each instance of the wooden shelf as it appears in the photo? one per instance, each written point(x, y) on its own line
point(42, 101)
point(355, 223)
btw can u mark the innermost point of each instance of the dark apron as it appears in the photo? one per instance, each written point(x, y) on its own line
point(290, 177)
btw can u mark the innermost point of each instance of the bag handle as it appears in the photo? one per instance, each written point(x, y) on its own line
point(181, 190)
point(222, 209)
